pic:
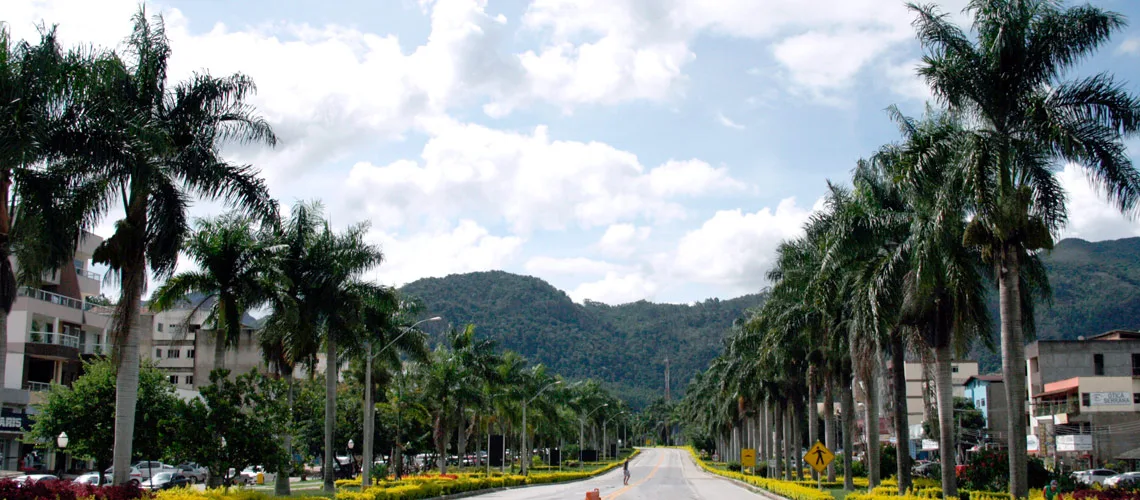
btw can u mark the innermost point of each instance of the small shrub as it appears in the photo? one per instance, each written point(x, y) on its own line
point(734, 466)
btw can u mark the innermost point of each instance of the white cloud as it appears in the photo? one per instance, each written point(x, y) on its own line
point(1090, 217)
point(724, 120)
point(736, 249)
point(467, 247)
point(1129, 46)
point(616, 288)
point(570, 266)
point(528, 181)
point(622, 240)
point(904, 80)
point(821, 63)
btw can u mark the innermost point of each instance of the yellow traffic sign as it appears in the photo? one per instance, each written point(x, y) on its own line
point(748, 457)
point(818, 457)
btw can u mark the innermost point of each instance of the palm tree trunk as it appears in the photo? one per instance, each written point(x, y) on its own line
point(829, 423)
point(787, 439)
point(281, 484)
point(945, 396)
point(812, 415)
point(778, 421)
point(798, 470)
point(126, 331)
point(3, 334)
point(872, 420)
point(847, 406)
point(1013, 368)
point(219, 350)
point(902, 421)
point(331, 369)
point(461, 438)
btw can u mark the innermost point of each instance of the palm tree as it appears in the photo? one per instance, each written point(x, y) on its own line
point(42, 209)
point(162, 149)
point(1025, 118)
point(238, 269)
point(444, 388)
point(477, 360)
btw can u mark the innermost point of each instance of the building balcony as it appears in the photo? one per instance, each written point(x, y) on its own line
point(53, 338)
point(95, 349)
point(1048, 409)
point(37, 386)
point(54, 298)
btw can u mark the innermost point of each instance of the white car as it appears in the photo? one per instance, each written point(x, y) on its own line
point(1126, 479)
point(153, 467)
point(136, 475)
point(249, 475)
point(1091, 476)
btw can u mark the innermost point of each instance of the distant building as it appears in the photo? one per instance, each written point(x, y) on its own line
point(1085, 396)
point(988, 395)
point(920, 387)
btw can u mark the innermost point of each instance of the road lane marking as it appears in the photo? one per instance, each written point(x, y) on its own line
point(622, 491)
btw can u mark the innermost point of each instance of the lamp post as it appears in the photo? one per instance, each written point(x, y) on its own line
point(369, 408)
point(604, 440)
point(61, 441)
point(525, 449)
point(582, 435)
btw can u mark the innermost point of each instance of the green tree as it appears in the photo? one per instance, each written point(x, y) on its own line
point(238, 268)
point(235, 424)
point(83, 413)
point(162, 149)
point(1025, 118)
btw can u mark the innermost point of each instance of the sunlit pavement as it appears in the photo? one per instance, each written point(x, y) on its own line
point(657, 473)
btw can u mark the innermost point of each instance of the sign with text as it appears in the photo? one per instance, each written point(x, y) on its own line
point(1110, 399)
point(14, 422)
point(818, 457)
point(1075, 442)
point(748, 457)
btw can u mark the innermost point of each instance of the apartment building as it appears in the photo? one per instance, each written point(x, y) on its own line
point(988, 394)
point(1085, 396)
point(182, 342)
point(50, 330)
point(920, 387)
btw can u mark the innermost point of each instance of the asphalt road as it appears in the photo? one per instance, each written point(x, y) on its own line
point(657, 473)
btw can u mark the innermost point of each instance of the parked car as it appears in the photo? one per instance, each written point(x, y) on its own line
point(35, 478)
point(1122, 480)
point(928, 469)
point(136, 475)
point(249, 475)
point(192, 472)
point(1091, 476)
point(165, 480)
point(153, 467)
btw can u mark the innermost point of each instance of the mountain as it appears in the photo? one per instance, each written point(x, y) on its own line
point(624, 345)
point(1096, 288)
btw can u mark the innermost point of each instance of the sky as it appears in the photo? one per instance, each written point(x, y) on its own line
point(619, 149)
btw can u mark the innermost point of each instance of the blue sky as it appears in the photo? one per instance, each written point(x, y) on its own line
point(620, 149)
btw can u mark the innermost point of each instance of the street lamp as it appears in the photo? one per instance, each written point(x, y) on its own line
point(582, 435)
point(369, 408)
point(525, 449)
point(604, 440)
point(61, 441)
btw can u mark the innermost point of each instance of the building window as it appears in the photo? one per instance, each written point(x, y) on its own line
point(954, 369)
point(982, 402)
point(158, 353)
point(174, 379)
point(189, 380)
point(1098, 364)
point(1136, 398)
point(1136, 364)
point(1085, 399)
point(159, 327)
point(173, 353)
point(190, 353)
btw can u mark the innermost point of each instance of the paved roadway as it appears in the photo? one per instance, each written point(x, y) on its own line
point(657, 473)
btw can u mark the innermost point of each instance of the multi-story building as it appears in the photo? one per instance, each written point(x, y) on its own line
point(183, 343)
point(920, 387)
point(50, 329)
point(1085, 396)
point(988, 394)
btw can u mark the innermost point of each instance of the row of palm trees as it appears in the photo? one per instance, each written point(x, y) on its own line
point(903, 259)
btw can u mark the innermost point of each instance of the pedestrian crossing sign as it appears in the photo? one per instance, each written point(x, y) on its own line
point(818, 457)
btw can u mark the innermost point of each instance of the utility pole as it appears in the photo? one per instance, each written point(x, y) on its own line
point(667, 398)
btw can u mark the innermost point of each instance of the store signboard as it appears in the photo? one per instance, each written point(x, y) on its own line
point(1110, 399)
point(1075, 442)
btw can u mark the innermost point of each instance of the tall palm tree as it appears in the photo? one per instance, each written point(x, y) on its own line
point(43, 90)
point(1008, 76)
point(478, 361)
point(445, 387)
point(239, 270)
point(163, 149)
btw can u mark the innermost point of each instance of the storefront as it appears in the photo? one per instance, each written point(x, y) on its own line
point(13, 425)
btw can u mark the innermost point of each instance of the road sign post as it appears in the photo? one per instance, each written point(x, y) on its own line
point(818, 457)
point(748, 459)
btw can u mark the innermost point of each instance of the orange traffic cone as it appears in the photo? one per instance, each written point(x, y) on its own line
point(593, 495)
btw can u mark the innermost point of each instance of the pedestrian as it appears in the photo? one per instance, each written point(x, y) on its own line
point(1051, 490)
point(625, 473)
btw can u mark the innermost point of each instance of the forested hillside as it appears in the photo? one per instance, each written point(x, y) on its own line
point(1096, 288)
point(624, 345)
